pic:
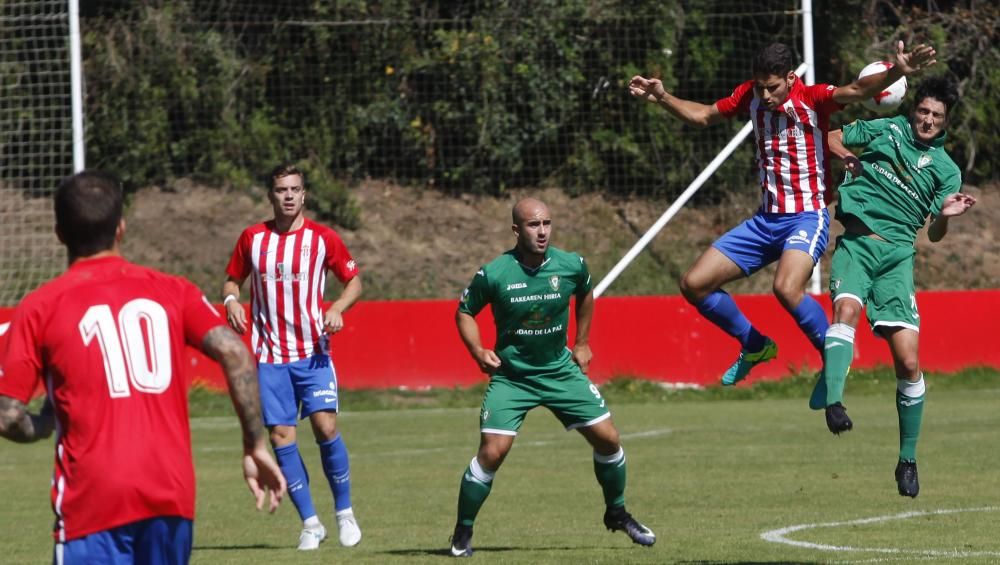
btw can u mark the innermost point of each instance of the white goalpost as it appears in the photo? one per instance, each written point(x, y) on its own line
point(76, 85)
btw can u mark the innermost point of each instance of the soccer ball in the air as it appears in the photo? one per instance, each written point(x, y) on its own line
point(888, 99)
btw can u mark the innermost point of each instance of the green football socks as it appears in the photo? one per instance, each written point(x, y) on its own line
point(476, 485)
point(838, 353)
point(610, 473)
point(910, 408)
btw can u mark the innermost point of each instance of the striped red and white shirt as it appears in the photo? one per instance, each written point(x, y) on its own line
point(793, 157)
point(288, 275)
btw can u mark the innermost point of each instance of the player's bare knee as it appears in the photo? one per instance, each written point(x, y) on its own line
point(607, 445)
point(788, 292)
point(282, 435)
point(603, 437)
point(847, 308)
point(324, 425)
point(491, 456)
point(847, 311)
point(324, 433)
point(610, 438)
point(908, 368)
point(690, 290)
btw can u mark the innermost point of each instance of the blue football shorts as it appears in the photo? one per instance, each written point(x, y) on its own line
point(164, 540)
point(302, 387)
point(762, 238)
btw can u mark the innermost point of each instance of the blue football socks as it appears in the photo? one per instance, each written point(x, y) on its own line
point(720, 309)
point(297, 477)
point(811, 318)
point(333, 454)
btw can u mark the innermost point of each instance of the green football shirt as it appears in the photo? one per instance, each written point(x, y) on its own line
point(530, 308)
point(902, 182)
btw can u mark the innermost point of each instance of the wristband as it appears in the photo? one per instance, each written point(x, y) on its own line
point(228, 299)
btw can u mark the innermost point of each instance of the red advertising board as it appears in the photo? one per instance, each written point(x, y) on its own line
point(414, 344)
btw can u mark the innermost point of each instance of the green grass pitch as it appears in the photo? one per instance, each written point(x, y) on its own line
point(711, 478)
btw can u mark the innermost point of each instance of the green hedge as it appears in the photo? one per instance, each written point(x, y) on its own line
point(465, 97)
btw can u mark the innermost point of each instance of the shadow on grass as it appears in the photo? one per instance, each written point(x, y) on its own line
point(478, 549)
point(237, 547)
point(716, 562)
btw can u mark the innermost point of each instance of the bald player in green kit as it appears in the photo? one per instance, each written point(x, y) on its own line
point(529, 288)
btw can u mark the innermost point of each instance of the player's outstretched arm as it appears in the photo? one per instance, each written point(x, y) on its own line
point(693, 113)
point(863, 88)
point(259, 468)
point(17, 425)
point(468, 330)
point(954, 205)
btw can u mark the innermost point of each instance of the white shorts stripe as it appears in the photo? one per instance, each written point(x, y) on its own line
point(497, 432)
point(846, 295)
point(596, 420)
point(897, 324)
point(820, 222)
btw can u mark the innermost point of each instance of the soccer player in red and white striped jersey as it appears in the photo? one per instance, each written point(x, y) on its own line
point(791, 123)
point(286, 259)
point(107, 338)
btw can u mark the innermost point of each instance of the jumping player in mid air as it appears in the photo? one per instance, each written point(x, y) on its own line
point(903, 176)
point(791, 122)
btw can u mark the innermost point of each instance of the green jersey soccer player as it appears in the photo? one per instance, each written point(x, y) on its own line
point(529, 289)
point(903, 176)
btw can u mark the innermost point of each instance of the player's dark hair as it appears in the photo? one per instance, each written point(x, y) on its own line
point(939, 88)
point(284, 170)
point(88, 208)
point(775, 59)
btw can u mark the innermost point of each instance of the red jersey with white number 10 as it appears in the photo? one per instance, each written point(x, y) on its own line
point(793, 157)
point(288, 275)
point(108, 336)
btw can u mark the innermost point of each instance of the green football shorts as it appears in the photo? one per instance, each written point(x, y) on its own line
point(879, 275)
point(568, 393)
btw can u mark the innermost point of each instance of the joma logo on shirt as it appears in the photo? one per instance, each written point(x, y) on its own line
point(513, 286)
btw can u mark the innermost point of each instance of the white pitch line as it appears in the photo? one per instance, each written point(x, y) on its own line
point(427, 450)
point(779, 535)
point(633, 435)
point(906, 558)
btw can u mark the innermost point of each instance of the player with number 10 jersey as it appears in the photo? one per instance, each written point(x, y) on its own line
point(111, 335)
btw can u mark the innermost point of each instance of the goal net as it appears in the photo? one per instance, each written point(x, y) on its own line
point(35, 140)
point(477, 97)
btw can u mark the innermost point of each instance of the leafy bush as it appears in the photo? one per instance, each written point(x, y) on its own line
point(965, 37)
point(472, 97)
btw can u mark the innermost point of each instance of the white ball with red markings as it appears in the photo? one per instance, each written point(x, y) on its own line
point(891, 97)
